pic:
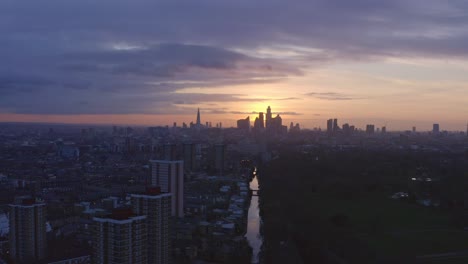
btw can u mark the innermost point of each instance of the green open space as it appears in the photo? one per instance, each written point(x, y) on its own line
point(391, 226)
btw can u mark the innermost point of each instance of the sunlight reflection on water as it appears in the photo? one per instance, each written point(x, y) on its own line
point(253, 224)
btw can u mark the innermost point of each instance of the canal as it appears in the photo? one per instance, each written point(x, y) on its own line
point(253, 222)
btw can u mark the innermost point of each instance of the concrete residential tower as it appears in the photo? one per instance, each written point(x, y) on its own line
point(157, 208)
point(120, 238)
point(27, 230)
point(169, 176)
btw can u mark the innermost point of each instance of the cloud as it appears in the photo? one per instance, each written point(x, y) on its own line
point(286, 99)
point(136, 56)
point(331, 96)
point(256, 113)
point(287, 113)
point(143, 80)
point(11, 83)
point(199, 98)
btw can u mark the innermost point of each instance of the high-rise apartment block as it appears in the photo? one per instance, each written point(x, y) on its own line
point(170, 152)
point(120, 237)
point(189, 155)
point(157, 208)
point(169, 176)
point(28, 242)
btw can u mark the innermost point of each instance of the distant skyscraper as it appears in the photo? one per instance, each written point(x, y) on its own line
point(268, 117)
point(169, 175)
point(294, 128)
point(120, 237)
point(28, 240)
point(244, 124)
point(261, 120)
point(384, 129)
point(274, 125)
point(198, 124)
point(346, 130)
point(330, 126)
point(414, 129)
point(370, 129)
point(256, 124)
point(435, 128)
point(335, 125)
point(157, 208)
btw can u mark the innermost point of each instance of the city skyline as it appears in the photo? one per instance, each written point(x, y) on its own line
point(397, 64)
point(180, 121)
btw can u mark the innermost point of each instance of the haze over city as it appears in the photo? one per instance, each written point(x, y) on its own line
point(233, 132)
point(390, 63)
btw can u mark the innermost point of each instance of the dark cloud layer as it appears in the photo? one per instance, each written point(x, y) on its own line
point(115, 56)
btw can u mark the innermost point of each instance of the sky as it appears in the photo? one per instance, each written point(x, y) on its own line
point(399, 63)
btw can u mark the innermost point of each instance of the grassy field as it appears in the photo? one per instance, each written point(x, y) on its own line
point(393, 227)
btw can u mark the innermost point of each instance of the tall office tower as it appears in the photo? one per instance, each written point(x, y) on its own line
point(120, 237)
point(220, 158)
point(346, 130)
point(370, 129)
point(335, 125)
point(414, 129)
point(268, 117)
point(189, 156)
point(198, 124)
point(261, 120)
point(435, 128)
point(170, 152)
point(28, 240)
point(157, 208)
point(384, 129)
point(330, 126)
point(244, 124)
point(169, 175)
point(257, 123)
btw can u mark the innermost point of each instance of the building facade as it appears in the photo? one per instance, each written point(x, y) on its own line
point(169, 176)
point(157, 208)
point(120, 238)
point(28, 241)
point(244, 124)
